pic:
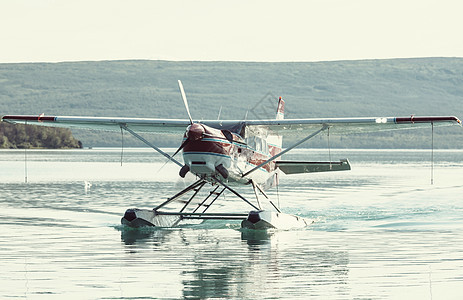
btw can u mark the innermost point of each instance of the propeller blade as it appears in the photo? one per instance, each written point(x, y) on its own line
point(180, 86)
point(178, 150)
point(181, 146)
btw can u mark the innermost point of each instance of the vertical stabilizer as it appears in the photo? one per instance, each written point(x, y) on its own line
point(281, 109)
point(275, 140)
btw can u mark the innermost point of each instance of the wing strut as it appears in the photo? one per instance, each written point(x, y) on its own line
point(122, 145)
point(124, 126)
point(325, 126)
point(432, 153)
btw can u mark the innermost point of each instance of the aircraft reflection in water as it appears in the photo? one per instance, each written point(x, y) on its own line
point(266, 269)
point(222, 153)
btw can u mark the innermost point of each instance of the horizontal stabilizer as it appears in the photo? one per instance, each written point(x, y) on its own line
point(297, 167)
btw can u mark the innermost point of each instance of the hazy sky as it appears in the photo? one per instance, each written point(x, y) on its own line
point(310, 30)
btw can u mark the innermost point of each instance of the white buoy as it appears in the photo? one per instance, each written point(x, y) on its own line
point(87, 186)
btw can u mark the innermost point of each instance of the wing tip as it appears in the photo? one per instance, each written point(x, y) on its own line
point(24, 118)
point(412, 119)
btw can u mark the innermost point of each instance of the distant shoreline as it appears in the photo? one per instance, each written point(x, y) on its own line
point(331, 89)
point(19, 136)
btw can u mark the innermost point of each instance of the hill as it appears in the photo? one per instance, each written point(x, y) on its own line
point(424, 86)
point(28, 136)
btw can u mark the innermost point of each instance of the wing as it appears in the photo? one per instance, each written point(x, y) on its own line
point(283, 127)
point(103, 123)
point(353, 125)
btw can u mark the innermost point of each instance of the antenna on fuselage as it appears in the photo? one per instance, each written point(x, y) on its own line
point(185, 101)
point(220, 112)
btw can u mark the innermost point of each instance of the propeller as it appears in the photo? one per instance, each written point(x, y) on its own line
point(195, 131)
point(181, 146)
point(178, 150)
point(185, 101)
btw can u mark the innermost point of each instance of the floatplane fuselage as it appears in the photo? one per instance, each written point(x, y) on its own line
point(210, 152)
point(236, 155)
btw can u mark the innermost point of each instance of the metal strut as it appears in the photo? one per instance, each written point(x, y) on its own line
point(432, 153)
point(194, 185)
point(256, 188)
point(124, 126)
point(325, 126)
point(206, 216)
point(210, 194)
point(234, 192)
point(194, 195)
point(197, 186)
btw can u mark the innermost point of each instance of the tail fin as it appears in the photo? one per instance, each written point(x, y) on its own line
point(274, 140)
point(281, 109)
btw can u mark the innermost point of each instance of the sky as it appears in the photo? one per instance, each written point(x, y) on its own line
point(212, 30)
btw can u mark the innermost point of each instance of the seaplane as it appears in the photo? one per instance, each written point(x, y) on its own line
point(225, 154)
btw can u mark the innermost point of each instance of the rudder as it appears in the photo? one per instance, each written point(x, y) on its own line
point(280, 109)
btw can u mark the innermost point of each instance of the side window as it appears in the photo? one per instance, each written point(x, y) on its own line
point(264, 146)
point(258, 144)
point(251, 142)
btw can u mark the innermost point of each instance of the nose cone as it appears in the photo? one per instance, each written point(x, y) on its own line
point(195, 131)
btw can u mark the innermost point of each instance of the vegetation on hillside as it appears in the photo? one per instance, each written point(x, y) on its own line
point(397, 87)
point(28, 136)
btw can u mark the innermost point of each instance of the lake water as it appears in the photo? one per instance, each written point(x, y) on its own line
point(382, 231)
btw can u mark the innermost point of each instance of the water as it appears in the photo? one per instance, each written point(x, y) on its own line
point(382, 231)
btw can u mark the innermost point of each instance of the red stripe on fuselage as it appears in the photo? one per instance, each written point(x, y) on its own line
point(258, 158)
point(274, 150)
point(211, 141)
point(208, 146)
